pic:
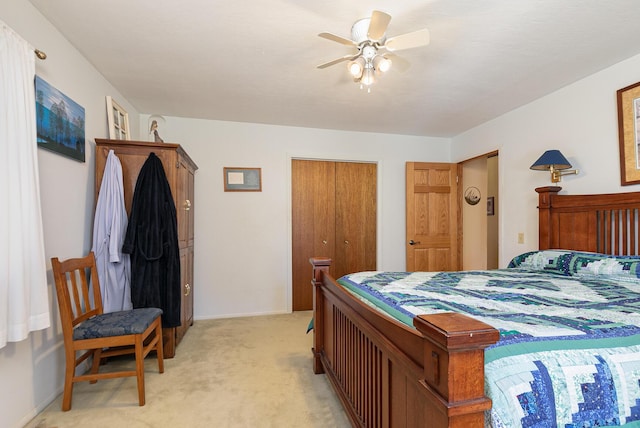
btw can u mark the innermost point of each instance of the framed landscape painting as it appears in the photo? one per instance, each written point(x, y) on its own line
point(59, 121)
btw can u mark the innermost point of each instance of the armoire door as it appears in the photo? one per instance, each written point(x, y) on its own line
point(333, 215)
point(185, 216)
point(184, 202)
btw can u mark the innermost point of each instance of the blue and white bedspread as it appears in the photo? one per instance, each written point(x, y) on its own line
point(569, 348)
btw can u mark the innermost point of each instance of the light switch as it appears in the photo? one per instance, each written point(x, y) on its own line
point(520, 238)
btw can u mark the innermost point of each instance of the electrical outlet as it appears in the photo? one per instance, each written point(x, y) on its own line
point(520, 238)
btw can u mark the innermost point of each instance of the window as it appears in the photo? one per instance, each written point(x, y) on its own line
point(118, 120)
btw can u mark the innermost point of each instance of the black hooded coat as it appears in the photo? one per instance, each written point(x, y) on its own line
point(152, 241)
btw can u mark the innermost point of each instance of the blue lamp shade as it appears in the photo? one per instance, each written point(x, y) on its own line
point(551, 159)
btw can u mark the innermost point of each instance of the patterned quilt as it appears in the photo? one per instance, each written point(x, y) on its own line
point(569, 322)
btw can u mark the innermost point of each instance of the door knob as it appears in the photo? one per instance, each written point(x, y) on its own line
point(412, 242)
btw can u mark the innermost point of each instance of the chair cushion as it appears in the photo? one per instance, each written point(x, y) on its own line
point(134, 321)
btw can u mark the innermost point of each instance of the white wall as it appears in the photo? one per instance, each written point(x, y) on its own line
point(581, 121)
point(243, 240)
point(31, 371)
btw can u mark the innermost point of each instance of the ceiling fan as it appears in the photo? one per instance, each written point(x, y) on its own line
point(375, 50)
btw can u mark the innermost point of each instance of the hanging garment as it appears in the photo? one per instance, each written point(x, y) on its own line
point(24, 297)
point(152, 241)
point(109, 229)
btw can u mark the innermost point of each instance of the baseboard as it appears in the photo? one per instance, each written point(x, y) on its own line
point(33, 414)
point(237, 315)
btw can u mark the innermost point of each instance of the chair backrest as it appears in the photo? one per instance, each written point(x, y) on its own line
point(78, 290)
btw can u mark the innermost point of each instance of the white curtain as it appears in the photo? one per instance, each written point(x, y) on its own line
point(24, 302)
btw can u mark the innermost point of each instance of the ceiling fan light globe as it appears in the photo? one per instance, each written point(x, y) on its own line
point(382, 64)
point(368, 77)
point(356, 67)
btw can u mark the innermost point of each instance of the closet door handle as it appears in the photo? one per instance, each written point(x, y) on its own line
point(412, 242)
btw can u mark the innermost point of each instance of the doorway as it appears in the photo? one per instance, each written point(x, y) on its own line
point(479, 212)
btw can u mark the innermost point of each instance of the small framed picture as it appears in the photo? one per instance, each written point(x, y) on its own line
point(490, 209)
point(242, 179)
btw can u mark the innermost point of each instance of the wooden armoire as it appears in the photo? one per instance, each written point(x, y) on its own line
point(333, 214)
point(180, 171)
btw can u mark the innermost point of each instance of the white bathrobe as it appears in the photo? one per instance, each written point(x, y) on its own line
point(109, 228)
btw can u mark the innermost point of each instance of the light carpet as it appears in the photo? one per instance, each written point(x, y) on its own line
point(239, 372)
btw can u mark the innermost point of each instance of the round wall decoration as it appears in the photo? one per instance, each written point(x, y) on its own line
point(472, 195)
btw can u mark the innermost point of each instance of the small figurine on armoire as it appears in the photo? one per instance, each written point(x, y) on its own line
point(154, 129)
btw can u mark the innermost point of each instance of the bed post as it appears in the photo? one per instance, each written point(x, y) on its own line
point(545, 197)
point(454, 367)
point(320, 264)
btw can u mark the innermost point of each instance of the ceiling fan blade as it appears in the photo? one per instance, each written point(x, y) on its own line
point(338, 39)
point(336, 61)
point(398, 63)
point(378, 25)
point(408, 41)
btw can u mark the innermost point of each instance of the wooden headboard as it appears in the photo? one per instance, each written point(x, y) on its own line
point(604, 223)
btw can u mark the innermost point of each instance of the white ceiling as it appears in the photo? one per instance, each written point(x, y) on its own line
point(255, 60)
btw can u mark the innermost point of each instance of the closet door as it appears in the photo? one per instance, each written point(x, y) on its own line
point(333, 215)
point(355, 218)
point(313, 223)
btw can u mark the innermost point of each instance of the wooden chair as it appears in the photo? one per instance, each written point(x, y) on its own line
point(90, 332)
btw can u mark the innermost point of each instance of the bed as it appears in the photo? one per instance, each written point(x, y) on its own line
point(429, 370)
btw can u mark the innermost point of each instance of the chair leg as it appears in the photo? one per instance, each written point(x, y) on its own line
point(96, 363)
point(159, 347)
point(140, 368)
point(69, 373)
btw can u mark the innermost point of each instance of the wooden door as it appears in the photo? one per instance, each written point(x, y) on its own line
point(355, 218)
point(432, 213)
point(313, 223)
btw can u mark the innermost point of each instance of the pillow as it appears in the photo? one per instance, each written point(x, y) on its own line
point(547, 260)
point(585, 264)
point(580, 263)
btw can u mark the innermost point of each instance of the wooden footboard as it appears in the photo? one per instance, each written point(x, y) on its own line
point(389, 375)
